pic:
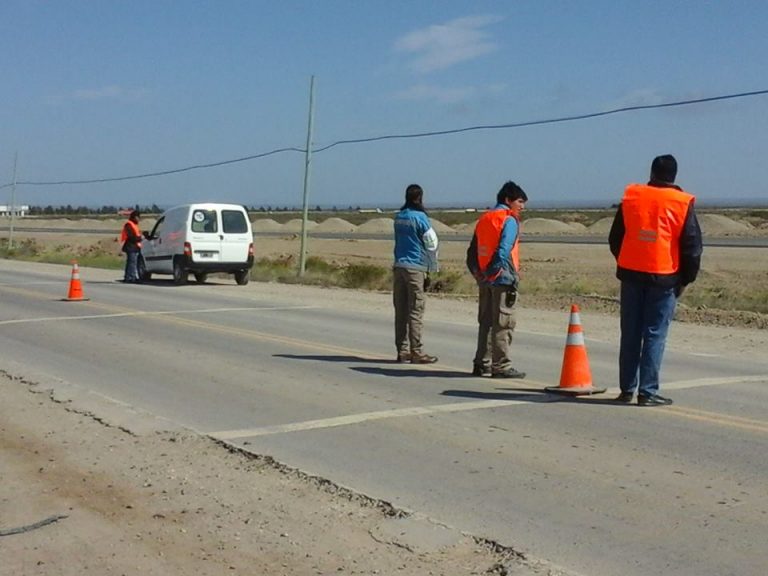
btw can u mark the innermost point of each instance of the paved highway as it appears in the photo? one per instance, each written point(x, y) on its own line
point(306, 375)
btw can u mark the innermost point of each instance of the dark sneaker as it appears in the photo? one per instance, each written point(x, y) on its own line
point(654, 400)
point(480, 370)
point(508, 373)
point(403, 357)
point(624, 397)
point(423, 359)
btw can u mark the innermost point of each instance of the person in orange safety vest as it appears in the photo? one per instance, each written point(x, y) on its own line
point(656, 240)
point(131, 241)
point(493, 259)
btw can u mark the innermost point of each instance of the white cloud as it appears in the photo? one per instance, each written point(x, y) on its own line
point(113, 92)
point(438, 93)
point(441, 46)
point(447, 95)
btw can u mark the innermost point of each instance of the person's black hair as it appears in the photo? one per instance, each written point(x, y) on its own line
point(414, 198)
point(511, 191)
point(664, 168)
point(135, 213)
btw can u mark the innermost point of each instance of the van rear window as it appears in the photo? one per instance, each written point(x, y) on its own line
point(204, 221)
point(233, 222)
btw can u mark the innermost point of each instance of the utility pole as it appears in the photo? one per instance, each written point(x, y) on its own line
point(13, 200)
point(307, 166)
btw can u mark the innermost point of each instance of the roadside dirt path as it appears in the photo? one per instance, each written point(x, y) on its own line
point(175, 503)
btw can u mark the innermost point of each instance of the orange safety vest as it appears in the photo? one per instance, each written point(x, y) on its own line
point(134, 228)
point(488, 233)
point(653, 223)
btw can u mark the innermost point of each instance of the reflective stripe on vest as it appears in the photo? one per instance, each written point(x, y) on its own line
point(653, 223)
point(135, 229)
point(488, 233)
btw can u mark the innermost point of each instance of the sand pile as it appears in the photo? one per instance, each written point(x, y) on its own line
point(602, 226)
point(719, 225)
point(465, 228)
point(376, 226)
point(294, 225)
point(441, 228)
point(266, 225)
point(335, 226)
point(546, 226)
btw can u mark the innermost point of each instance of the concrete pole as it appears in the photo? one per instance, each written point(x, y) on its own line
point(12, 207)
point(307, 167)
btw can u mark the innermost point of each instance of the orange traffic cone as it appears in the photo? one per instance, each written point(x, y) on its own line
point(75, 288)
point(575, 376)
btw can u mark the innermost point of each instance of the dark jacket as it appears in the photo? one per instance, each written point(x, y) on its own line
point(690, 250)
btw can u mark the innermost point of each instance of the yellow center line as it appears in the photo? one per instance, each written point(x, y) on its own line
point(719, 418)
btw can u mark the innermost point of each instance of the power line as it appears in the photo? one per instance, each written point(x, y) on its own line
point(528, 123)
point(161, 173)
point(547, 121)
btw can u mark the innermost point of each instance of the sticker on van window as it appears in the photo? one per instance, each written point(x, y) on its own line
point(199, 216)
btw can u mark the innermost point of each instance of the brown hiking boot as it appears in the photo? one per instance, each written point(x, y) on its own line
point(423, 359)
point(403, 357)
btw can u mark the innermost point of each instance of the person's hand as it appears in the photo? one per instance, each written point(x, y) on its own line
point(427, 282)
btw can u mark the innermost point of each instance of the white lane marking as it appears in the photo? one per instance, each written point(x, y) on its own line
point(155, 313)
point(365, 417)
point(36, 282)
point(683, 384)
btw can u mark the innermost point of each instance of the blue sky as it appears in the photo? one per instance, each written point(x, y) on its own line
point(104, 89)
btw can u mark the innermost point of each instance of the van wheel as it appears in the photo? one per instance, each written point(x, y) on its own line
point(242, 277)
point(201, 277)
point(180, 275)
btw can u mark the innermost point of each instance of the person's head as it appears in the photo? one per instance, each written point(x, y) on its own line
point(513, 196)
point(414, 198)
point(664, 168)
point(135, 215)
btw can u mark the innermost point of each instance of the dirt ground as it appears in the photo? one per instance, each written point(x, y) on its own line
point(176, 503)
point(149, 500)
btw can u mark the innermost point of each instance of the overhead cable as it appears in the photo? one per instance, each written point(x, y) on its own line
point(507, 126)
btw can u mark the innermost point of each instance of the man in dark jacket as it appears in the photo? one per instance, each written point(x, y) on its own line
point(656, 240)
point(131, 238)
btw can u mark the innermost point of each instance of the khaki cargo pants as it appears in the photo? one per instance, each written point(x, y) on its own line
point(409, 300)
point(496, 319)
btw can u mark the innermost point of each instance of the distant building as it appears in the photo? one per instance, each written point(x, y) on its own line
point(6, 210)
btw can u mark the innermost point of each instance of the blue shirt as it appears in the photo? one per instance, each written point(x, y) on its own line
point(415, 241)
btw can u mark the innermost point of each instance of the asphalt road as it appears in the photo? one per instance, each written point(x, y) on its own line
point(596, 488)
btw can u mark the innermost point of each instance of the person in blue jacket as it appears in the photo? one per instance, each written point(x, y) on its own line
point(415, 257)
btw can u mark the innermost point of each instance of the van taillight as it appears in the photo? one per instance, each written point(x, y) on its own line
point(187, 249)
point(250, 249)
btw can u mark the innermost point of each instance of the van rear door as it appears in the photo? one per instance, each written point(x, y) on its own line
point(236, 236)
point(205, 236)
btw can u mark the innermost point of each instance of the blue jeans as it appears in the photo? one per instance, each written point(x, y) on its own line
point(131, 266)
point(646, 312)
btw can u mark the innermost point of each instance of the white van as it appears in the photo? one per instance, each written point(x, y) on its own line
point(199, 239)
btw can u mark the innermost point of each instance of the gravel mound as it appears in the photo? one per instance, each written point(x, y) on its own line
point(546, 226)
point(719, 225)
point(335, 225)
point(294, 225)
point(602, 226)
point(441, 228)
point(376, 226)
point(266, 225)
